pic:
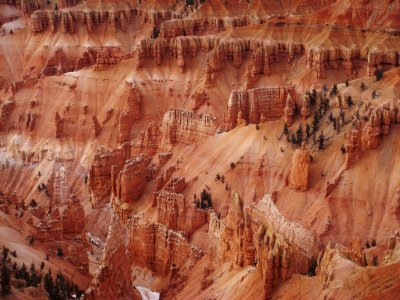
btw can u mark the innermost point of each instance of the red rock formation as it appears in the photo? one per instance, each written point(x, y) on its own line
point(301, 239)
point(288, 111)
point(158, 248)
point(50, 228)
point(5, 110)
point(340, 277)
point(180, 127)
point(100, 178)
point(96, 128)
point(28, 6)
point(301, 160)
point(113, 276)
point(237, 238)
point(200, 26)
point(128, 117)
point(252, 103)
point(73, 217)
point(116, 18)
point(353, 144)
point(148, 141)
point(374, 130)
point(263, 237)
point(7, 107)
point(175, 211)
point(161, 180)
point(131, 180)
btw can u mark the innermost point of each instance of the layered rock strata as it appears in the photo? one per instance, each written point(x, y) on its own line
point(69, 20)
point(131, 180)
point(180, 127)
point(367, 133)
point(206, 25)
point(298, 178)
point(158, 248)
point(113, 277)
point(261, 53)
point(260, 236)
point(141, 243)
point(105, 164)
point(175, 211)
point(269, 102)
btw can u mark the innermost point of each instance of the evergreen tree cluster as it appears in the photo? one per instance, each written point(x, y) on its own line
point(205, 200)
point(311, 130)
point(58, 289)
point(220, 178)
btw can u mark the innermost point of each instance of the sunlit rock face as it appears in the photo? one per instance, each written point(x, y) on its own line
point(201, 149)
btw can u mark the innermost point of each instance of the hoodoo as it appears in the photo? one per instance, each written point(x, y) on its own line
point(300, 168)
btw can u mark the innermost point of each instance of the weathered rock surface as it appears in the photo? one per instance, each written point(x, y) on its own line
point(158, 248)
point(131, 180)
point(139, 243)
point(128, 117)
point(345, 279)
point(112, 278)
point(269, 102)
point(298, 178)
point(73, 217)
point(177, 212)
point(261, 236)
point(105, 164)
point(180, 127)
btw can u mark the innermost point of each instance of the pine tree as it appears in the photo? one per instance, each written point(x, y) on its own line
point(331, 117)
point(315, 122)
point(378, 74)
point(350, 101)
point(5, 254)
point(293, 139)
point(375, 260)
point(48, 284)
point(343, 149)
point(299, 134)
point(334, 90)
point(363, 87)
point(155, 33)
point(321, 141)
point(5, 280)
point(285, 129)
point(205, 198)
point(312, 266)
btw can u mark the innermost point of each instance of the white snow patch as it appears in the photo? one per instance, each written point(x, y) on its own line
point(148, 294)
